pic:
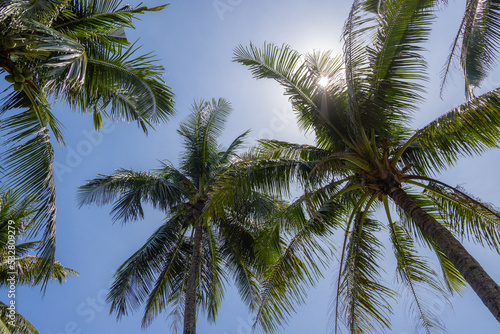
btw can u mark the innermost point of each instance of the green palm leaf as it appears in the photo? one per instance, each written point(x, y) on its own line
point(212, 275)
point(469, 129)
point(21, 325)
point(396, 61)
point(476, 43)
point(144, 275)
point(199, 133)
point(467, 216)
point(418, 278)
point(29, 268)
point(30, 169)
point(296, 266)
point(365, 300)
point(300, 79)
point(129, 189)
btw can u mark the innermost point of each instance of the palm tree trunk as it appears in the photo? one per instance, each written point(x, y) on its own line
point(484, 286)
point(192, 282)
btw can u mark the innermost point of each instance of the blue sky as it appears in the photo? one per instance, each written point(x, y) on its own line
point(195, 41)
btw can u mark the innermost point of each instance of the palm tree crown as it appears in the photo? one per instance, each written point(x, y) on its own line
point(366, 157)
point(77, 52)
point(209, 232)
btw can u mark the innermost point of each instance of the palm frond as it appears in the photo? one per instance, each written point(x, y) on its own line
point(467, 130)
point(212, 275)
point(373, 6)
point(28, 161)
point(40, 10)
point(241, 261)
point(98, 17)
point(32, 100)
point(420, 281)
point(227, 155)
point(364, 300)
point(62, 56)
point(354, 34)
point(318, 109)
point(275, 149)
point(170, 285)
point(297, 266)
point(121, 85)
point(200, 132)
point(16, 324)
point(273, 166)
point(16, 208)
point(480, 34)
point(468, 217)
point(397, 63)
point(149, 271)
point(28, 270)
point(130, 189)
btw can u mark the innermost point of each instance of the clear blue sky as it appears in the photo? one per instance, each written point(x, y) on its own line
point(194, 40)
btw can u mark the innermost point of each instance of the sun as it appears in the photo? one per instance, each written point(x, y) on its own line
point(323, 81)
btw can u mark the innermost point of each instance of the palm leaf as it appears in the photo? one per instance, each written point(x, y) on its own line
point(364, 301)
point(316, 109)
point(212, 275)
point(130, 189)
point(99, 17)
point(355, 56)
point(21, 325)
point(40, 10)
point(469, 217)
point(418, 278)
point(241, 261)
point(29, 165)
point(28, 270)
point(229, 154)
point(161, 260)
point(397, 64)
point(467, 130)
point(477, 41)
point(199, 132)
point(296, 267)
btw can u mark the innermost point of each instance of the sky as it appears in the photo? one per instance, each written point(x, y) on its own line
point(194, 41)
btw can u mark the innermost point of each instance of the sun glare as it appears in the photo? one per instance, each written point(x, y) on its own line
point(323, 81)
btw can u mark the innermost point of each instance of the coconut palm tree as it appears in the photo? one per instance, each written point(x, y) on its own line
point(77, 52)
point(18, 265)
point(209, 233)
point(367, 156)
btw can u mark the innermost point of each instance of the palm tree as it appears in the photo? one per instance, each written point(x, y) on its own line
point(209, 234)
point(77, 52)
point(17, 264)
point(367, 156)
